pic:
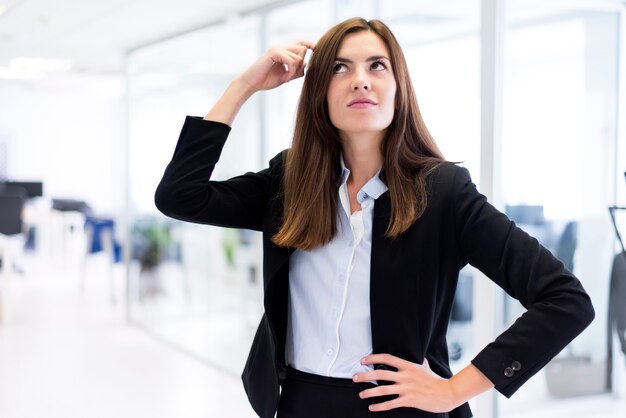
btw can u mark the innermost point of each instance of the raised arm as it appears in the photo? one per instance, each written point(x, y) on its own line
point(277, 66)
point(186, 191)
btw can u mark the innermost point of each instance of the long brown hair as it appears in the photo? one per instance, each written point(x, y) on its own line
point(311, 170)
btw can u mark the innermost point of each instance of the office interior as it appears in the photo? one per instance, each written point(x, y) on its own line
point(107, 307)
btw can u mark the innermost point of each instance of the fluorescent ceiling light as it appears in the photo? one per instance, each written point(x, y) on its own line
point(42, 65)
point(33, 68)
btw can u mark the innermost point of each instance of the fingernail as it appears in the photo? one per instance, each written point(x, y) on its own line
point(355, 378)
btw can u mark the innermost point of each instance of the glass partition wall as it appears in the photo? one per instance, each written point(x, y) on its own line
point(199, 287)
point(441, 43)
point(559, 174)
point(193, 286)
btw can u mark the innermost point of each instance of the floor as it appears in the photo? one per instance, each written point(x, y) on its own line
point(69, 354)
point(66, 353)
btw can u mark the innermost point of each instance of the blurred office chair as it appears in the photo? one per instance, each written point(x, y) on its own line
point(71, 205)
point(11, 207)
point(11, 241)
point(31, 188)
point(11, 224)
point(526, 214)
point(616, 323)
point(101, 238)
point(566, 246)
point(461, 316)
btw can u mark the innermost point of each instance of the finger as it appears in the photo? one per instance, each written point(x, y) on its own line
point(301, 68)
point(307, 44)
point(295, 56)
point(379, 391)
point(386, 406)
point(387, 359)
point(283, 58)
point(387, 375)
point(295, 68)
point(302, 65)
point(300, 50)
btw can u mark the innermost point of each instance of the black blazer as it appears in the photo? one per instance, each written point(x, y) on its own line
point(413, 278)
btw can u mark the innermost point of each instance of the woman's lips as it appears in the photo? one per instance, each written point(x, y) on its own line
point(361, 103)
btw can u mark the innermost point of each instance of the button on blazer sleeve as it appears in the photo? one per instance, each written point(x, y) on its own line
point(558, 308)
point(187, 193)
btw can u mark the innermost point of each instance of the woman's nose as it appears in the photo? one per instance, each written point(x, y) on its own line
point(360, 86)
point(360, 81)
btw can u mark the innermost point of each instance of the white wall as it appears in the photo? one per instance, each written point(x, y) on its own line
point(68, 132)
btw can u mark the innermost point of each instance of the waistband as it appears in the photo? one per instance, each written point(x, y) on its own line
point(325, 380)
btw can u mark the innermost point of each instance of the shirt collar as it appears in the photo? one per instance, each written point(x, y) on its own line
point(373, 188)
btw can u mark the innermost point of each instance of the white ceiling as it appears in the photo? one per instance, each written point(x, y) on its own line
point(95, 34)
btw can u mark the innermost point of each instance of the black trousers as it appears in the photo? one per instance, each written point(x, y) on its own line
point(306, 395)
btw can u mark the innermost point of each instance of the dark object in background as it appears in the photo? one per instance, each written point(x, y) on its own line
point(566, 247)
point(525, 214)
point(11, 207)
point(463, 298)
point(617, 300)
point(32, 188)
point(99, 229)
point(68, 205)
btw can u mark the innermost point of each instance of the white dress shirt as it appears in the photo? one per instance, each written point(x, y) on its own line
point(329, 324)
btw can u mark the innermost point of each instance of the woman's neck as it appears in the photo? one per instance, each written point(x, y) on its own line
point(362, 156)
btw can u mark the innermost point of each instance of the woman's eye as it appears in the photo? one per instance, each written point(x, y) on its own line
point(339, 68)
point(379, 65)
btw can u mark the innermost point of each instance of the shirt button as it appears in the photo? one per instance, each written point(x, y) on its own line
point(329, 351)
point(508, 372)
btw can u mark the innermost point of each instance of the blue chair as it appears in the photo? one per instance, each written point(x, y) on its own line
point(101, 238)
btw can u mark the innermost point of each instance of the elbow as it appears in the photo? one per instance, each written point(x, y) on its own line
point(162, 200)
point(588, 312)
point(583, 312)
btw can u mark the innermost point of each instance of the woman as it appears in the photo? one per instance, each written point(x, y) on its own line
point(365, 228)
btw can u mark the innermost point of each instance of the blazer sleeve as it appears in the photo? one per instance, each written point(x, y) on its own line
point(187, 193)
point(558, 308)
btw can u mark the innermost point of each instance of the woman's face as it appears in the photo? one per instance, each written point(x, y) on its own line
point(362, 90)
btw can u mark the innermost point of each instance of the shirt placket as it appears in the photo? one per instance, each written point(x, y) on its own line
point(342, 283)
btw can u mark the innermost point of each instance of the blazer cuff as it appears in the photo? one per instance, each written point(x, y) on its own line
point(507, 373)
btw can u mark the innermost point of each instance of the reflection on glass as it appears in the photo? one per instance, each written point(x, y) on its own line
point(283, 26)
point(198, 287)
point(193, 286)
point(558, 138)
point(441, 45)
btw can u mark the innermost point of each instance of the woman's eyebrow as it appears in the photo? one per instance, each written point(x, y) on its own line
point(370, 59)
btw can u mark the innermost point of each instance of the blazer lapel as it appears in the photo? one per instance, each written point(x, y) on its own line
point(392, 288)
point(379, 293)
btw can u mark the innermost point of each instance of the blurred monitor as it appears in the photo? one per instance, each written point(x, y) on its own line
point(32, 188)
